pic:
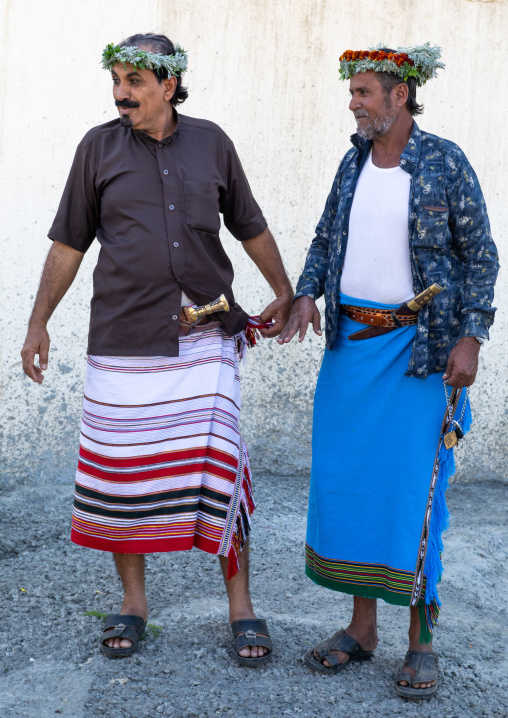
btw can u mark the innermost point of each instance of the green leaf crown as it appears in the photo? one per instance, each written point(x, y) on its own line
point(175, 64)
point(420, 62)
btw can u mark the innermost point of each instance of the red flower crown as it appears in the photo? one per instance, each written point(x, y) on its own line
point(399, 58)
point(420, 62)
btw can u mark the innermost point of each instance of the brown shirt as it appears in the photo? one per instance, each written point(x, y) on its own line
point(154, 207)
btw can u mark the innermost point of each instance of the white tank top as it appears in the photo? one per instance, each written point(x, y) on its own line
point(376, 265)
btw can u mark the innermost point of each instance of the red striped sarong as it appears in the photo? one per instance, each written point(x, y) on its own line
point(162, 464)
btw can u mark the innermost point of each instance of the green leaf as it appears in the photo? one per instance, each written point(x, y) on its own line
point(95, 614)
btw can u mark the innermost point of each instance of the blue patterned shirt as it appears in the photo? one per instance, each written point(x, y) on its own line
point(449, 244)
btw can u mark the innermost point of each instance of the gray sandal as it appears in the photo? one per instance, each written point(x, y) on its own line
point(247, 632)
point(425, 665)
point(340, 641)
point(121, 626)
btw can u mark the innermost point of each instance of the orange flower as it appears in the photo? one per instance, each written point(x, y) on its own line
point(399, 59)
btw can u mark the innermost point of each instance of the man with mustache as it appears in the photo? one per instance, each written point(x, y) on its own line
point(405, 214)
point(162, 464)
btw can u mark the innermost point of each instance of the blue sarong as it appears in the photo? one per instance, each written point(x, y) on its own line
point(375, 435)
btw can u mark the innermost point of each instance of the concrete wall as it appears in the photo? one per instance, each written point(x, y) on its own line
point(266, 71)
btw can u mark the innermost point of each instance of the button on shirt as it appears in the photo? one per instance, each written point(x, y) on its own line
point(154, 208)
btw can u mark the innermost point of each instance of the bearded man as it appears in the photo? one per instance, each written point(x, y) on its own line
point(405, 215)
point(162, 464)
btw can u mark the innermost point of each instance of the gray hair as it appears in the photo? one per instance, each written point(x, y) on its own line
point(388, 81)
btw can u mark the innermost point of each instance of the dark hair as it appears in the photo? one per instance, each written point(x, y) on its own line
point(164, 46)
point(388, 81)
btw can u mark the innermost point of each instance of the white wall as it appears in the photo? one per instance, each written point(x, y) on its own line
point(267, 73)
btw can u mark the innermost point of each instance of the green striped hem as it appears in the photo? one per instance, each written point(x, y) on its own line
point(369, 580)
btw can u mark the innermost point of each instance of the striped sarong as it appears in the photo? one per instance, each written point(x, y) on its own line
point(162, 465)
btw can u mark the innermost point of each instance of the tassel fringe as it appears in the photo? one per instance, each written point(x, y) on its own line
point(429, 608)
point(249, 337)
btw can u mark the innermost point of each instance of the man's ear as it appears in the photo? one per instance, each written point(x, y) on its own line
point(401, 94)
point(169, 87)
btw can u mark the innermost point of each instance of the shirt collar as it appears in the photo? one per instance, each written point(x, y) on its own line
point(410, 154)
point(165, 140)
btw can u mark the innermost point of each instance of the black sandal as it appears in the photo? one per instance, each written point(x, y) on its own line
point(247, 632)
point(118, 626)
point(425, 665)
point(340, 641)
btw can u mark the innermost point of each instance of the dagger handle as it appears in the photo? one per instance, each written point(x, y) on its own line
point(194, 314)
point(424, 297)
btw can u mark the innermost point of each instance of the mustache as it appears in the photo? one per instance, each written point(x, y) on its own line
point(126, 103)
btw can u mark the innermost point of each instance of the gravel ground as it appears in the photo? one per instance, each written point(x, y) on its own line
point(50, 664)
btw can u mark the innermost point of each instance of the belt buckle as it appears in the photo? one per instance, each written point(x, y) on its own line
point(386, 319)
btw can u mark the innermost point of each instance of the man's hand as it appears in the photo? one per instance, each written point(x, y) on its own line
point(278, 311)
point(304, 311)
point(462, 363)
point(264, 253)
point(61, 266)
point(36, 342)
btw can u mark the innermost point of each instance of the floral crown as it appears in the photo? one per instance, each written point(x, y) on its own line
point(420, 62)
point(175, 64)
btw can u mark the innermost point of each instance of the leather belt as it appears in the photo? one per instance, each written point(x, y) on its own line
point(384, 318)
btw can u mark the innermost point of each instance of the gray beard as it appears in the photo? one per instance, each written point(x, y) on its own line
point(377, 127)
point(380, 125)
point(126, 121)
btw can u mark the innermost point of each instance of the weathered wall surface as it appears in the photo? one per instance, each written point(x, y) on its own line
point(267, 73)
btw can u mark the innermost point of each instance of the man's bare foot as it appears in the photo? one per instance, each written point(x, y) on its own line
point(139, 610)
point(415, 645)
point(363, 628)
point(240, 603)
point(367, 638)
point(248, 651)
point(423, 647)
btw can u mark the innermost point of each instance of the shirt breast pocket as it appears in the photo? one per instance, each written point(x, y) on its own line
point(432, 228)
point(202, 206)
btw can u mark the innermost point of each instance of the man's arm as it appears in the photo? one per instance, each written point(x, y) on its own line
point(61, 267)
point(474, 245)
point(311, 284)
point(266, 256)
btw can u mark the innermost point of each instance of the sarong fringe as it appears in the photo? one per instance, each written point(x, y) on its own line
point(242, 524)
point(429, 608)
